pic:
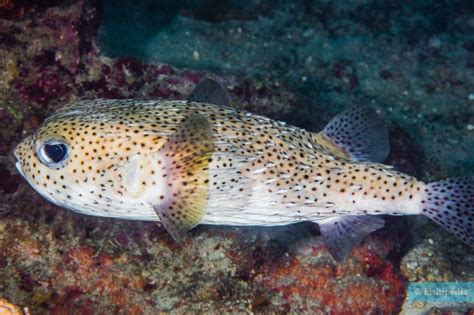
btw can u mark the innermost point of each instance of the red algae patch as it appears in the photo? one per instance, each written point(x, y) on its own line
point(319, 285)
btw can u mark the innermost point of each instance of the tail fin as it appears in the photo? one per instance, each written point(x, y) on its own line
point(450, 203)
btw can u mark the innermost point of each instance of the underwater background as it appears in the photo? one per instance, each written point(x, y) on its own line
point(297, 61)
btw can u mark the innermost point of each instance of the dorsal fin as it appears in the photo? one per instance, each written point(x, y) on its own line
point(186, 157)
point(209, 91)
point(357, 133)
point(342, 234)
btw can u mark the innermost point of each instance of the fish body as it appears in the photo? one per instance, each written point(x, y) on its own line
point(186, 163)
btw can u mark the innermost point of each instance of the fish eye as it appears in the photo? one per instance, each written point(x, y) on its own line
point(53, 153)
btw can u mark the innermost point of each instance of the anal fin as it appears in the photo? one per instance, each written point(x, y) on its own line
point(341, 234)
point(185, 158)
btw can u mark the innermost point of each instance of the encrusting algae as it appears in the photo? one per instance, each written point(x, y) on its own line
point(185, 163)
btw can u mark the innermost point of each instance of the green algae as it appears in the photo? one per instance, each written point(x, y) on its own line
point(13, 109)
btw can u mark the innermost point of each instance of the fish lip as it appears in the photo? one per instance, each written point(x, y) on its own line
point(18, 165)
point(19, 168)
point(16, 155)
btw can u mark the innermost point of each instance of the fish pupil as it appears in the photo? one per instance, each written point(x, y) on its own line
point(55, 152)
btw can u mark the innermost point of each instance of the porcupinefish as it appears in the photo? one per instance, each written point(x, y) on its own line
point(199, 161)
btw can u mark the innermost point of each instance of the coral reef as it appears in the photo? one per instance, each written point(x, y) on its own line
point(66, 261)
point(53, 260)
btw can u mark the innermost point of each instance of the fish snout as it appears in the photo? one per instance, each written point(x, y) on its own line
point(19, 150)
point(22, 149)
point(15, 153)
point(18, 161)
point(20, 153)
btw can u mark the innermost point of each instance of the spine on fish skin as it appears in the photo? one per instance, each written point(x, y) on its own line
point(450, 203)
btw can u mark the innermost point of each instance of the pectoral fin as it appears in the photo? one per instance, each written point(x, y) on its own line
point(342, 234)
point(186, 157)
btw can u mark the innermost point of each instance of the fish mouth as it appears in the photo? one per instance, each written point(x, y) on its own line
point(18, 165)
point(19, 168)
point(16, 155)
